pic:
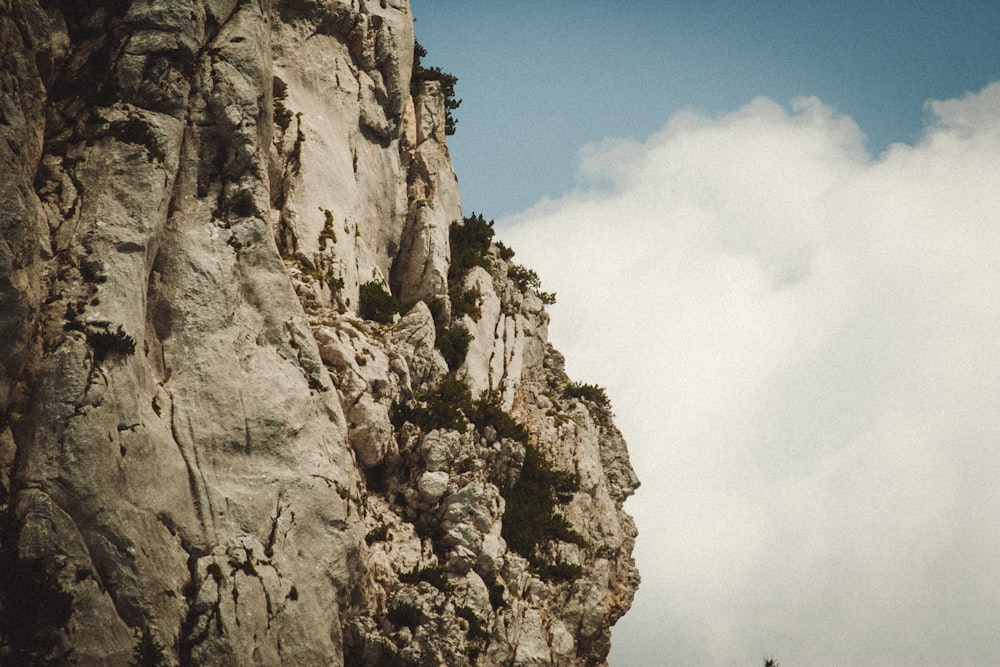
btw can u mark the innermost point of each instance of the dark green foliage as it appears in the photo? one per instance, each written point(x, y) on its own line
point(447, 81)
point(588, 392)
point(428, 528)
point(440, 409)
point(497, 596)
point(476, 628)
point(436, 576)
point(32, 604)
point(327, 234)
point(282, 116)
point(453, 342)
point(526, 279)
point(405, 613)
point(149, 652)
point(378, 534)
point(770, 662)
point(374, 303)
point(506, 254)
point(450, 406)
point(106, 343)
point(523, 277)
point(487, 411)
point(560, 571)
point(470, 241)
point(377, 478)
point(464, 301)
point(135, 130)
point(530, 516)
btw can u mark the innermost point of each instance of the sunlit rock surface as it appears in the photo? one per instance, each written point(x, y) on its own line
point(202, 446)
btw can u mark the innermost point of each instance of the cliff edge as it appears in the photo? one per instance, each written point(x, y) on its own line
point(266, 397)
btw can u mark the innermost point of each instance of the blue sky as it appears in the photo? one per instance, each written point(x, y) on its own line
point(774, 233)
point(539, 80)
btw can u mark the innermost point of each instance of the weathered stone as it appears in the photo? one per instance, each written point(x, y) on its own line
point(369, 431)
point(199, 437)
point(433, 485)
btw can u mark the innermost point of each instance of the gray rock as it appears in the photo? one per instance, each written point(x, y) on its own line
point(199, 438)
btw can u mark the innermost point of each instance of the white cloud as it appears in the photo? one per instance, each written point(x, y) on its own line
point(803, 347)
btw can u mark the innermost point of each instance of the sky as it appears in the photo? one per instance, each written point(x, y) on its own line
point(774, 233)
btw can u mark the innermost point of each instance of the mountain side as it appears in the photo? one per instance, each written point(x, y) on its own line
point(265, 396)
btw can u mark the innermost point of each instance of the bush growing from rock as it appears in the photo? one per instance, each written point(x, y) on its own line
point(453, 342)
point(477, 629)
point(464, 301)
point(530, 516)
point(560, 571)
point(447, 81)
point(374, 303)
point(441, 408)
point(588, 392)
point(377, 534)
point(434, 575)
point(470, 242)
point(405, 613)
point(107, 343)
point(523, 277)
point(149, 652)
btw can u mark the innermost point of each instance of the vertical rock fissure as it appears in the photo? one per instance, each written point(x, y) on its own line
point(201, 439)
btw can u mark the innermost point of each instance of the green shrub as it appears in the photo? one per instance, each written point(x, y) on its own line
point(530, 516)
point(405, 613)
point(486, 411)
point(435, 575)
point(106, 343)
point(560, 571)
point(428, 528)
point(327, 233)
point(588, 392)
point(32, 604)
point(440, 409)
point(377, 534)
point(470, 242)
point(447, 81)
point(497, 600)
point(450, 406)
point(453, 342)
point(506, 254)
point(526, 279)
point(476, 628)
point(149, 652)
point(282, 116)
point(374, 303)
point(464, 301)
point(523, 277)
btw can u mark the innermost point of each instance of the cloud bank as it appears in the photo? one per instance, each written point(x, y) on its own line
point(802, 343)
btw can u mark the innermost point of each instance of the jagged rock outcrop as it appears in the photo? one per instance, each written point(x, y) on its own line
point(203, 447)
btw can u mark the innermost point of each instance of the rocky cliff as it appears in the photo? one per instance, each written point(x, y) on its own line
point(261, 401)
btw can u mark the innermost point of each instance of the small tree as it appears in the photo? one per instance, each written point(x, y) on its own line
point(447, 81)
point(149, 652)
point(374, 303)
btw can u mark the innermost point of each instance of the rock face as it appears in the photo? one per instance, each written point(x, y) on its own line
point(204, 450)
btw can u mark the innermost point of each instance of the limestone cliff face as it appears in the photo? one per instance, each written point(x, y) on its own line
point(203, 448)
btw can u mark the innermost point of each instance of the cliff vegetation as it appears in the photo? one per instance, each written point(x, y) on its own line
point(266, 396)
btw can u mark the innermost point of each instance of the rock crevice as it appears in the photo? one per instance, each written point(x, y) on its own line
point(203, 446)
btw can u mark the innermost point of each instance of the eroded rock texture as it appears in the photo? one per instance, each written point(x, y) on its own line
point(200, 440)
